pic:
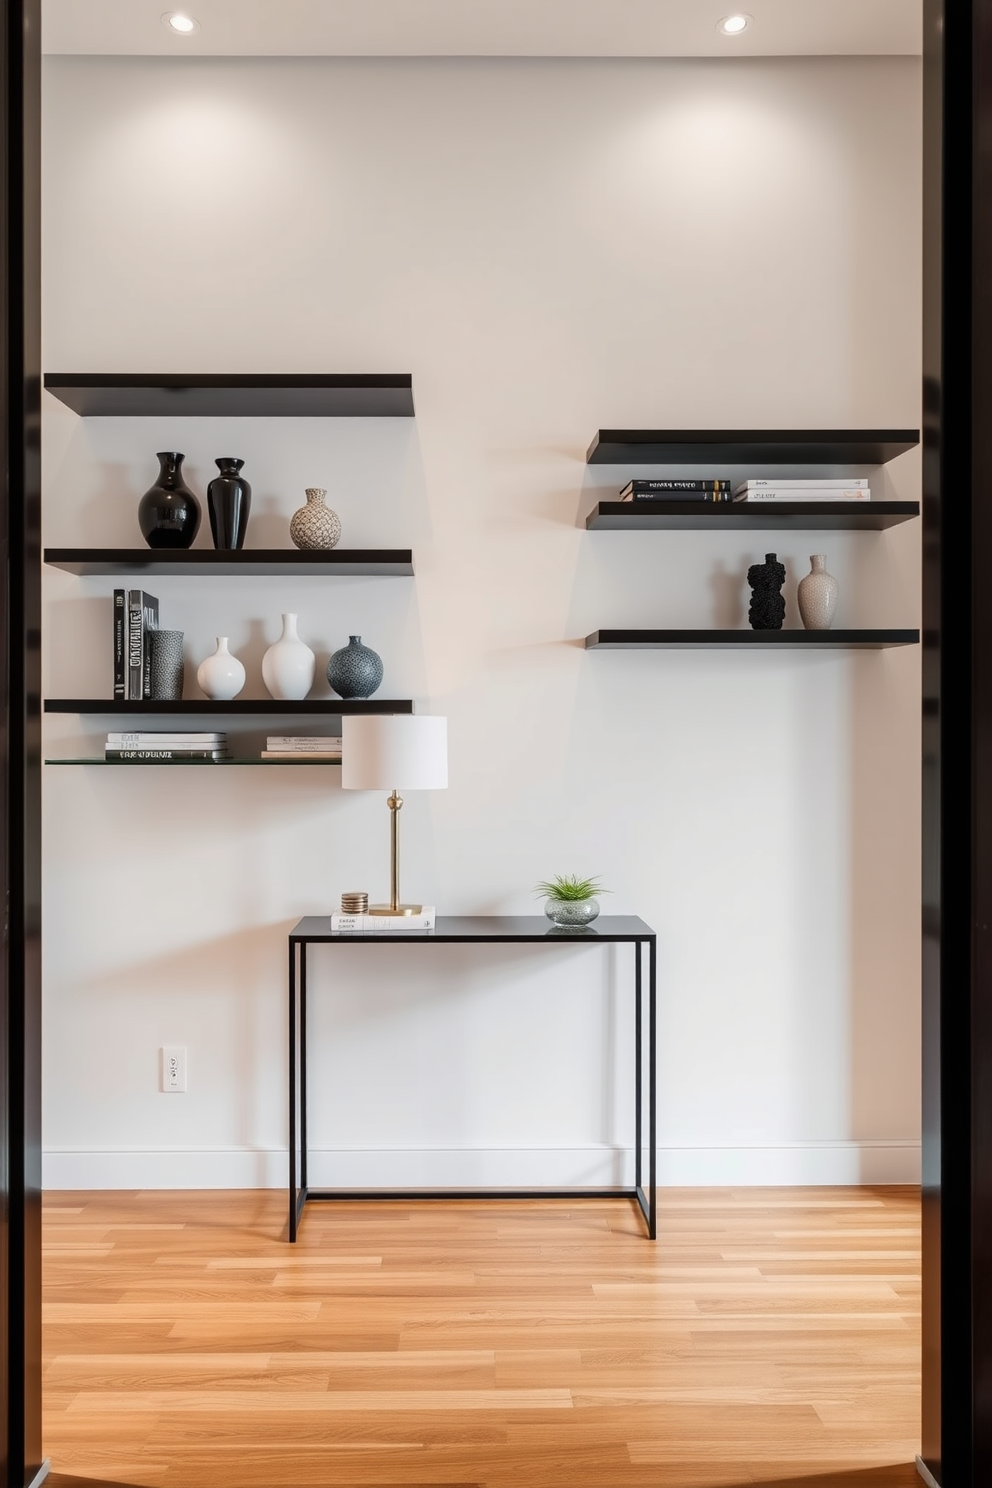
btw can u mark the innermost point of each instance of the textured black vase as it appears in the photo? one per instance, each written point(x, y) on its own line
point(355, 671)
point(169, 513)
point(767, 608)
point(228, 502)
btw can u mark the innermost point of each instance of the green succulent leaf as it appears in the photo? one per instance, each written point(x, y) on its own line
point(568, 887)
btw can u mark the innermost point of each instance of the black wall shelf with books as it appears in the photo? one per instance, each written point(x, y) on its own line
point(739, 516)
point(197, 764)
point(226, 395)
point(245, 563)
point(795, 640)
point(236, 708)
point(764, 449)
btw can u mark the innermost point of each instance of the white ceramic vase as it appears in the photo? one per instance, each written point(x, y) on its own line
point(221, 676)
point(817, 595)
point(288, 666)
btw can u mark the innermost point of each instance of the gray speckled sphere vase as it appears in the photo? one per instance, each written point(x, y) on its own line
point(355, 671)
point(315, 526)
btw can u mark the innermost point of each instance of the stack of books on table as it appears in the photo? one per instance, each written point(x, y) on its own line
point(785, 489)
point(676, 490)
point(370, 924)
point(286, 747)
point(135, 615)
point(191, 748)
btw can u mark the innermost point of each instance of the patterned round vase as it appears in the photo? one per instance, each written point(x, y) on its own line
point(315, 525)
point(288, 666)
point(228, 504)
point(571, 914)
point(169, 513)
point(221, 676)
point(817, 595)
point(355, 671)
point(167, 665)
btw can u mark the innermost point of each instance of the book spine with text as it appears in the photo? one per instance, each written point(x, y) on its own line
point(120, 644)
point(646, 487)
point(834, 483)
point(369, 924)
point(165, 754)
point(789, 493)
point(149, 622)
point(134, 667)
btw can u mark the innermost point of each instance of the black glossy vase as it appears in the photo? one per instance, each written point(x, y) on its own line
point(228, 502)
point(169, 513)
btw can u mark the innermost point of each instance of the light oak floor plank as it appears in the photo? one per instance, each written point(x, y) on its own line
point(769, 1337)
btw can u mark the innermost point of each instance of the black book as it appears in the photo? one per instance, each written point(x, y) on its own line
point(676, 486)
point(142, 617)
point(165, 754)
point(670, 496)
point(120, 645)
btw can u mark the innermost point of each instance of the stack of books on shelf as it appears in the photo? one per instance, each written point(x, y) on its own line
point(326, 747)
point(786, 489)
point(135, 748)
point(135, 614)
point(676, 490)
point(371, 924)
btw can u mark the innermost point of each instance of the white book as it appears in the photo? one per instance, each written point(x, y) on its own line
point(303, 741)
point(167, 741)
point(790, 493)
point(369, 924)
point(836, 483)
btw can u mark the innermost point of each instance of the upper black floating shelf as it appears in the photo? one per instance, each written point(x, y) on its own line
point(223, 395)
point(739, 516)
point(796, 640)
point(764, 449)
point(238, 707)
point(249, 563)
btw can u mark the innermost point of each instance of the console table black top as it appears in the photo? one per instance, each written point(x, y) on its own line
point(486, 928)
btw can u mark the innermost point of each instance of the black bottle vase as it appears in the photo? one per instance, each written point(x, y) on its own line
point(169, 513)
point(228, 502)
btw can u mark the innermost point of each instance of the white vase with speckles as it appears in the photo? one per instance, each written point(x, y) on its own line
point(817, 595)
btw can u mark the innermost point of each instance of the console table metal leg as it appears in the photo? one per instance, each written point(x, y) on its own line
point(638, 1062)
point(653, 1085)
point(303, 1068)
point(292, 1091)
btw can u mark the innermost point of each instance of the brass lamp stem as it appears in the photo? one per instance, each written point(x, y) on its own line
point(395, 804)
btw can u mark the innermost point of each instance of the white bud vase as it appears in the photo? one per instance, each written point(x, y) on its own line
point(288, 666)
point(221, 676)
point(817, 595)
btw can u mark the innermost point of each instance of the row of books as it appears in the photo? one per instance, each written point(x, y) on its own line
point(135, 616)
point(285, 747)
point(784, 488)
point(166, 746)
point(370, 924)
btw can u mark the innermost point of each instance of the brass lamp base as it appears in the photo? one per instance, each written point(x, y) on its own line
point(396, 911)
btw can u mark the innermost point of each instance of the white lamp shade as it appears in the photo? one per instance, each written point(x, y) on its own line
point(394, 751)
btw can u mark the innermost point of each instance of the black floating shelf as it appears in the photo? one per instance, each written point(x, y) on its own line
point(796, 640)
point(236, 708)
point(181, 764)
point(248, 563)
point(739, 516)
point(225, 395)
point(763, 449)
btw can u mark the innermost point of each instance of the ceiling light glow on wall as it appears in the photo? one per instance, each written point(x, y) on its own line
point(733, 25)
point(180, 23)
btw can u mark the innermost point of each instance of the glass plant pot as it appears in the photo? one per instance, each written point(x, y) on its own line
point(571, 914)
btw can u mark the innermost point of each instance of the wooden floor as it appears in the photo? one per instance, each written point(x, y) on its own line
point(769, 1336)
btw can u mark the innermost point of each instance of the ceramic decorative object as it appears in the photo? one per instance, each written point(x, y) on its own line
point(817, 595)
point(288, 666)
point(355, 671)
point(572, 914)
point(228, 504)
point(767, 607)
point(315, 525)
point(169, 513)
point(167, 665)
point(221, 676)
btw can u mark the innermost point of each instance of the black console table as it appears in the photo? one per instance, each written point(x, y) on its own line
point(480, 930)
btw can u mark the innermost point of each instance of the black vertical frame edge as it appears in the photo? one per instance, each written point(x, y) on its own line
point(21, 535)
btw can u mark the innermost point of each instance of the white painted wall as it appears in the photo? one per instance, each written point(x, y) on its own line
point(549, 247)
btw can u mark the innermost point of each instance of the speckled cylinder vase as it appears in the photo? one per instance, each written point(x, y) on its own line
point(817, 595)
point(315, 525)
point(167, 665)
point(355, 671)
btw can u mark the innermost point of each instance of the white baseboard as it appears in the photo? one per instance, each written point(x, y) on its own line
point(794, 1163)
point(926, 1474)
point(41, 1474)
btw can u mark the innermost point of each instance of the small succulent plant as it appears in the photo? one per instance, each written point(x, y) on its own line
point(568, 888)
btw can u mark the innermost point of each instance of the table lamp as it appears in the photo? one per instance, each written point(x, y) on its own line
point(394, 752)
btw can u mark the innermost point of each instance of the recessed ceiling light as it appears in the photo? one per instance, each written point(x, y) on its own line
point(180, 23)
point(733, 25)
